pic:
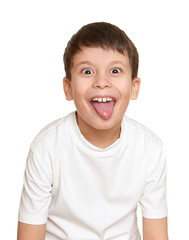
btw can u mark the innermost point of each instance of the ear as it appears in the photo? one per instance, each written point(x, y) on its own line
point(67, 89)
point(135, 88)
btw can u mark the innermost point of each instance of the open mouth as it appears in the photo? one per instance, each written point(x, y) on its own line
point(103, 106)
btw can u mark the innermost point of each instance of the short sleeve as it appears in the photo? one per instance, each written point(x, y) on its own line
point(37, 188)
point(153, 201)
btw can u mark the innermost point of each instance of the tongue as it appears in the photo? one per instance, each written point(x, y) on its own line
point(104, 110)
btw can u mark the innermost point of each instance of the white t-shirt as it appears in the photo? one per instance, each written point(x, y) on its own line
point(83, 192)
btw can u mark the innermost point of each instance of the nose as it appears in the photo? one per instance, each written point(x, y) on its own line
point(101, 81)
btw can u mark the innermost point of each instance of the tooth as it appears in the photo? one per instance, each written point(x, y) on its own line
point(108, 99)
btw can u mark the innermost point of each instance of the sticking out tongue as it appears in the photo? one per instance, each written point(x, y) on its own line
point(104, 109)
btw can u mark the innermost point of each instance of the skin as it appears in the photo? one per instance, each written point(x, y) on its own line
point(31, 232)
point(100, 72)
point(155, 229)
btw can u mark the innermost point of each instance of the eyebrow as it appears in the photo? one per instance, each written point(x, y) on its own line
point(83, 62)
point(111, 63)
point(118, 62)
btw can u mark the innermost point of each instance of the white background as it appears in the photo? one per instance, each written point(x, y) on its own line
point(33, 37)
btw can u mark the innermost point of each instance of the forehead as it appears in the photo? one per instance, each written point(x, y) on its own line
point(99, 56)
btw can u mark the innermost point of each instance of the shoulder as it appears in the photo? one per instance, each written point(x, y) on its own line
point(52, 133)
point(142, 134)
point(148, 146)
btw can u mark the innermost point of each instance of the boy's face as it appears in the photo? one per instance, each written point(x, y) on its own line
point(101, 87)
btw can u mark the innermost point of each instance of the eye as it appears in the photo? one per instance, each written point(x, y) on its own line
point(115, 70)
point(87, 71)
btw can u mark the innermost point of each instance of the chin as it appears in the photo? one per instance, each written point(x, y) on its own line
point(98, 123)
point(105, 124)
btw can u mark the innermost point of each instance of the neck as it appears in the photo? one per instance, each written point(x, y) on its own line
point(99, 138)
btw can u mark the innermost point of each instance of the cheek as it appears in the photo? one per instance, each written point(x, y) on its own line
point(125, 90)
point(76, 89)
point(79, 92)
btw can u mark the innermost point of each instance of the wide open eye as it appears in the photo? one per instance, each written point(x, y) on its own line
point(87, 71)
point(115, 70)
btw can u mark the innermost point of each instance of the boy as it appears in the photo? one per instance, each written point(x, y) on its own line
point(87, 172)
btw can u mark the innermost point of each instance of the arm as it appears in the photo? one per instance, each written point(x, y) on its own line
point(35, 199)
point(31, 232)
point(155, 229)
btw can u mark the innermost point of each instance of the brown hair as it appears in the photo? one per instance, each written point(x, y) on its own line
point(101, 34)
